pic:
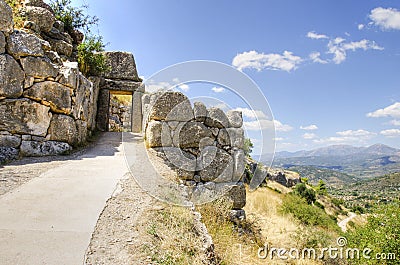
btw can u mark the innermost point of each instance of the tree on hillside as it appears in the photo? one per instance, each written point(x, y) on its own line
point(247, 146)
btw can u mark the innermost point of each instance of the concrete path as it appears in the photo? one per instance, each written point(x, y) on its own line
point(50, 219)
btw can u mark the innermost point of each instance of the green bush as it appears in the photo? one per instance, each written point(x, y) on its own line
point(247, 146)
point(90, 59)
point(304, 192)
point(73, 17)
point(381, 234)
point(307, 214)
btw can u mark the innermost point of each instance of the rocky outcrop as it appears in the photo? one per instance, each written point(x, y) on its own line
point(202, 145)
point(6, 18)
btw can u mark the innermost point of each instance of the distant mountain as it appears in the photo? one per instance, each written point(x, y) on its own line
point(342, 150)
point(359, 162)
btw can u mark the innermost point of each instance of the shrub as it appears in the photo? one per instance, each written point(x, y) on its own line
point(306, 193)
point(73, 17)
point(307, 214)
point(381, 234)
point(247, 146)
point(90, 59)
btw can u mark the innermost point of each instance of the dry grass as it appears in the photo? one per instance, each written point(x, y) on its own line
point(233, 244)
point(280, 231)
point(172, 237)
point(18, 19)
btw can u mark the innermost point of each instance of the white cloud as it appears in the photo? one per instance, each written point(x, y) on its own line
point(175, 80)
point(252, 114)
point(347, 137)
point(279, 139)
point(338, 47)
point(309, 127)
point(390, 111)
point(360, 26)
point(184, 87)
point(316, 36)
point(218, 89)
point(315, 57)
point(266, 125)
point(280, 127)
point(391, 133)
point(358, 133)
point(272, 61)
point(386, 18)
point(395, 122)
point(309, 136)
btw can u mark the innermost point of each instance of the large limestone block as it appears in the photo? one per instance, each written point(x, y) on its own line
point(2, 43)
point(216, 118)
point(238, 164)
point(122, 66)
point(215, 164)
point(63, 129)
point(158, 134)
point(24, 116)
point(137, 116)
point(190, 135)
point(39, 67)
point(52, 94)
point(42, 17)
point(233, 137)
point(8, 153)
point(6, 17)
point(237, 196)
point(22, 44)
point(182, 162)
point(235, 118)
point(34, 148)
point(81, 99)
point(61, 47)
point(172, 106)
point(200, 111)
point(11, 77)
point(69, 75)
point(10, 141)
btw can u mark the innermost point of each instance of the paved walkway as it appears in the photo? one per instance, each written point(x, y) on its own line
point(50, 219)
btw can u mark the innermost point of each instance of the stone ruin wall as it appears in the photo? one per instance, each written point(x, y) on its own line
point(47, 106)
point(209, 141)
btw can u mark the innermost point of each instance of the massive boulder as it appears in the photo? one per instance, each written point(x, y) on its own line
point(173, 106)
point(61, 47)
point(63, 129)
point(158, 134)
point(11, 77)
point(10, 141)
point(233, 137)
point(21, 44)
point(39, 67)
point(42, 17)
point(200, 111)
point(24, 116)
point(216, 118)
point(235, 118)
point(190, 135)
point(52, 94)
point(121, 65)
point(215, 164)
point(6, 17)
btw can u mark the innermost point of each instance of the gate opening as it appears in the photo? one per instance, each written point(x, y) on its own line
point(120, 112)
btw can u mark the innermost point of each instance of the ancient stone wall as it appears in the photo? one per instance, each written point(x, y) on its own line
point(47, 106)
point(203, 146)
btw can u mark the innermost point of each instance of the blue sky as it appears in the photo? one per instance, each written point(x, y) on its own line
point(329, 69)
